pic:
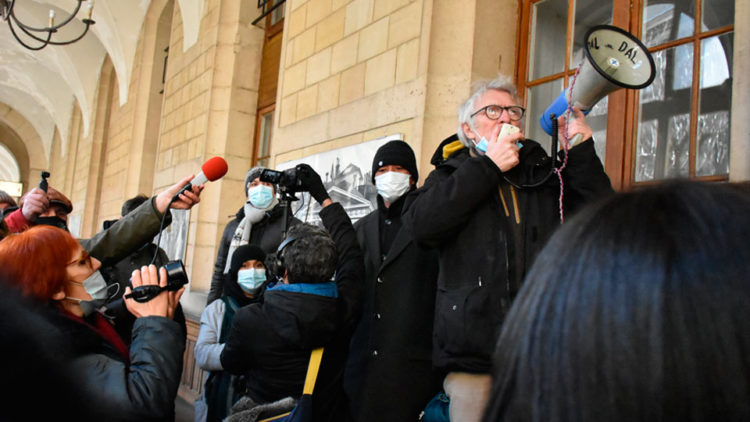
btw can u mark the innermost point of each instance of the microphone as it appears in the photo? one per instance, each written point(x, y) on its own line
point(213, 169)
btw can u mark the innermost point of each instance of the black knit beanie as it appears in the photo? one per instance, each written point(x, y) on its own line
point(245, 253)
point(395, 153)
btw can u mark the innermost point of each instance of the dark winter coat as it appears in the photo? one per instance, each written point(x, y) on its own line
point(389, 375)
point(143, 389)
point(465, 209)
point(267, 233)
point(272, 341)
point(127, 234)
point(121, 271)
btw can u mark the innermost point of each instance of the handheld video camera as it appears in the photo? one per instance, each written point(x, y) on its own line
point(287, 180)
point(176, 278)
point(43, 184)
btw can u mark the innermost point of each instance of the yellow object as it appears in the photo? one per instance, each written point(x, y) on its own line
point(312, 375)
point(449, 149)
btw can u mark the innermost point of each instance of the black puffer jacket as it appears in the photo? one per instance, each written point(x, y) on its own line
point(272, 341)
point(143, 389)
point(267, 233)
point(485, 229)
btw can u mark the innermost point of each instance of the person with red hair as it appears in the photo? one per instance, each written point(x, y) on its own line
point(140, 383)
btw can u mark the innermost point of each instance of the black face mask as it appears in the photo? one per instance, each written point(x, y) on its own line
point(52, 221)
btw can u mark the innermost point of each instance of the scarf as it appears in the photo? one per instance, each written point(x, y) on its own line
point(241, 235)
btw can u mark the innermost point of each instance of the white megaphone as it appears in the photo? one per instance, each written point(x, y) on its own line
point(614, 59)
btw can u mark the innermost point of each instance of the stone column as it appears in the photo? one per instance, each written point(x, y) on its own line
point(739, 163)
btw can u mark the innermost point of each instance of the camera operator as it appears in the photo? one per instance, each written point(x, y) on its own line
point(258, 222)
point(271, 341)
point(117, 382)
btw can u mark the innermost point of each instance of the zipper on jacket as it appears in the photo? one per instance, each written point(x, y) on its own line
point(515, 204)
point(502, 198)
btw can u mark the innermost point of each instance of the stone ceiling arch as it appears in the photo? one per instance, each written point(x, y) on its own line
point(19, 136)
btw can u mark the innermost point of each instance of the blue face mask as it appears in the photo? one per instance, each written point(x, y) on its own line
point(260, 196)
point(482, 145)
point(251, 280)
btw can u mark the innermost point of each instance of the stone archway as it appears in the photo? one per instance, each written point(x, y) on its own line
point(19, 136)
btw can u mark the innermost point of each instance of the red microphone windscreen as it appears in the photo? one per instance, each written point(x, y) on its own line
point(214, 168)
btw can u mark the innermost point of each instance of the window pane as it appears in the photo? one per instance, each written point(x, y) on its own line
point(266, 122)
point(665, 21)
point(712, 150)
point(538, 99)
point(663, 142)
point(717, 13)
point(278, 13)
point(645, 154)
point(589, 13)
point(548, 38)
point(678, 147)
point(682, 67)
point(656, 91)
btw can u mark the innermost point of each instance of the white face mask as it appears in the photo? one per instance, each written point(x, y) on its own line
point(96, 286)
point(99, 291)
point(392, 185)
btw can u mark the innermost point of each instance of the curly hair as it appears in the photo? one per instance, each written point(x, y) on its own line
point(311, 257)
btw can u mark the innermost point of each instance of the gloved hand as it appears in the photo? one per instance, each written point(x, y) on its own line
point(311, 182)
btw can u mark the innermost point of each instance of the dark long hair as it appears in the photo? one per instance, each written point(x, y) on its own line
point(637, 309)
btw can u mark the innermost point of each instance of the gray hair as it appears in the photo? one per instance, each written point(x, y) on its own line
point(500, 83)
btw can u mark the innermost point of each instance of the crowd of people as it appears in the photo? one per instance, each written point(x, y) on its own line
point(464, 299)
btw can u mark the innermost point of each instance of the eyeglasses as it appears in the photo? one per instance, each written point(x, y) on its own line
point(494, 111)
point(83, 259)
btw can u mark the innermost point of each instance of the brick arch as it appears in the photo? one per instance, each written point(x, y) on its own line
point(24, 142)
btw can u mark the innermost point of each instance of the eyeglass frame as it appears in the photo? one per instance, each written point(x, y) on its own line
point(505, 109)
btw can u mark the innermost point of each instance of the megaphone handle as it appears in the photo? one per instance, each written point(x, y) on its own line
point(577, 137)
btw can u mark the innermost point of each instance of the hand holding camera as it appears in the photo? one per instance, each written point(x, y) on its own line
point(163, 303)
point(302, 178)
point(311, 182)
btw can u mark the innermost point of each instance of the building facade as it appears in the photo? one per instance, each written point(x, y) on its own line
point(202, 78)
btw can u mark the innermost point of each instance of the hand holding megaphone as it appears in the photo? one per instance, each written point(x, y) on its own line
point(577, 128)
point(615, 59)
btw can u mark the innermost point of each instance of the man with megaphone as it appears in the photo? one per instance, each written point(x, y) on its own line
point(489, 206)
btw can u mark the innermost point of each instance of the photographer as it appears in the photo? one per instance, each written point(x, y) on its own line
point(271, 341)
point(258, 222)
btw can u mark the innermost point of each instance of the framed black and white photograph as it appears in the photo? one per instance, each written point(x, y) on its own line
point(347, 175)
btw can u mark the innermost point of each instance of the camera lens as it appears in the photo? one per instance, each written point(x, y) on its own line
point(176, 275)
